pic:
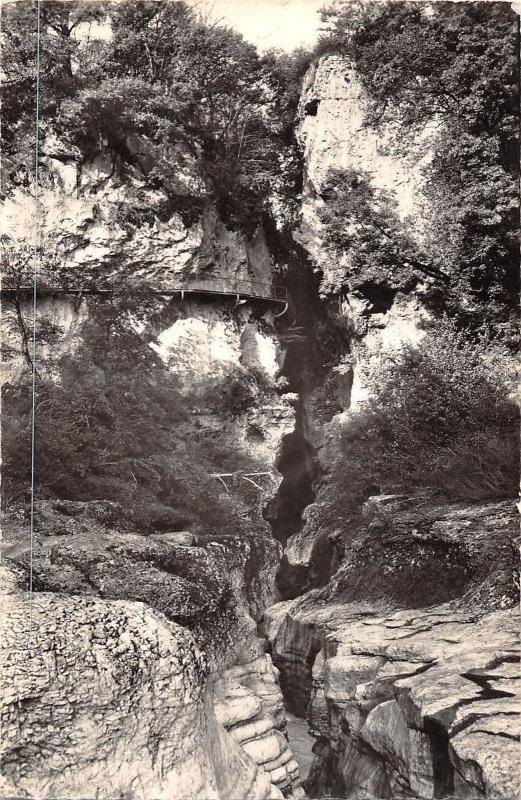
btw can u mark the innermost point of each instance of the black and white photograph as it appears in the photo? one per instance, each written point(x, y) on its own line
point(260, 410)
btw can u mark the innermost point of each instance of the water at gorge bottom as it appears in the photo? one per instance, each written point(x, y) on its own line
point(300, 742)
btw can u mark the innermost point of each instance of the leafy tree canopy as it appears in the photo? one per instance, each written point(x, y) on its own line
point(362, 222)
point(449, 69)
point(163, 80)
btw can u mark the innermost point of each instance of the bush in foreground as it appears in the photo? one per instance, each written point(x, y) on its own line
point(440, 420)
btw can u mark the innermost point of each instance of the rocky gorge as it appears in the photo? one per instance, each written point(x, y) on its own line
point(164, 661)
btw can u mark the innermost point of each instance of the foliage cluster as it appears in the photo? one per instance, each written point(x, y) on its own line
point(443, 76)
point(362, 222)
point(115, 427)
point(240, 390)
point(440, 421)
point(161, 85)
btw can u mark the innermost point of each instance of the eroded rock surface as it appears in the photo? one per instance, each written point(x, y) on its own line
point(407, 664)
point(91, 548)
point(146, 654)
point(102, 697)
point(101, 211)
point(249, 705)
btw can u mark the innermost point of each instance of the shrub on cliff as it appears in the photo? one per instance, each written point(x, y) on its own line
point(238, 391)
point(116, 427)
point(439, 420)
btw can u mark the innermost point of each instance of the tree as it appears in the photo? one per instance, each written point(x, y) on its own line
point(116, 427)
point(450, 69)
point(166, 85)
point(283, 74)
point(440, 421)
point(362, 222)
point(61, 72)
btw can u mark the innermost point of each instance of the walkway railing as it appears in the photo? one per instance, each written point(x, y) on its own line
point(256, 290)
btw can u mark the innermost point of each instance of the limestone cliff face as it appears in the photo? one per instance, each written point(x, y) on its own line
point(208, 342)
point(100, 218)
point(406, 663)
point(158, 685)
point(410, 683)
point(101, 225)
point(332, 134)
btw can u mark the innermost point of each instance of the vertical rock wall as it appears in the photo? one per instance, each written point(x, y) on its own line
point(103, 226)
point(333, 135)
point(135, 703)
point(407, 665)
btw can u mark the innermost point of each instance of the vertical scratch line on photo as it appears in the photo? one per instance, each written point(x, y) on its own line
point(35, 283)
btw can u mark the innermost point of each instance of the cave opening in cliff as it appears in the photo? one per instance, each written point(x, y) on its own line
point(311, 107)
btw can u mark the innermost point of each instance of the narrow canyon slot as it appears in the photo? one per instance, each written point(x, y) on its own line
point(260, 267)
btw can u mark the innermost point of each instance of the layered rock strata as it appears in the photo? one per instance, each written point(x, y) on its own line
point(102, 226)
point(249, 705)
point(107, 696)
point(410, 693)
point(136, 666)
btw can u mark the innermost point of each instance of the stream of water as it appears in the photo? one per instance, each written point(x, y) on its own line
point(300, 742)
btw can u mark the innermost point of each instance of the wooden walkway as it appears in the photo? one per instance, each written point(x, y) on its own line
point(240, 290)
point(255, 290)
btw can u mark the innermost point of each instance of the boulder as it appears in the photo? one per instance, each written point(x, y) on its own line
point(183, 538)
point(107, 696)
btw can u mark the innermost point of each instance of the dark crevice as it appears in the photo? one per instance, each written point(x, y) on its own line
point(502, 734)
point(314, 338)
point(443, 770)
point(325, 776)
point(311, 108)
point(472, 718)
point(297, 464)
point(487, 691)
point(297, 684)
point(492, 665)
point(380, 297)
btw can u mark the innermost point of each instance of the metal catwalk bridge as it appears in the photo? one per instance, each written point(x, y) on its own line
point(240, 290)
